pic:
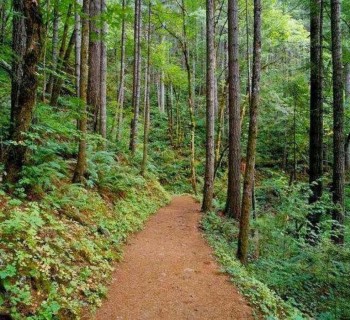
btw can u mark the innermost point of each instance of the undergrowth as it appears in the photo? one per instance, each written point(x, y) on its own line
point(221, 234)
point(285, 272)
point(59, 240)
point(57, 254)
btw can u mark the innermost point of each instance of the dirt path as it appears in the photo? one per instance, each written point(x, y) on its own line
point(169, 273)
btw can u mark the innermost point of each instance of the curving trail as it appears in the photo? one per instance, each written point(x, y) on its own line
point(169, 273)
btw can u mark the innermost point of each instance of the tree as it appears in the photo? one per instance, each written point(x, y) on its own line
point(316, 110)
point(77, 28)
point(243, 238)
point(147, 96)
point(64, 68)
point(347, 103)
point(26, 45)
point(136, 78)
point(94, 81)
point(338, 124)
point(61, 64)
point(210, 117)
point(80, 168)
point(55, 25)
point(103, 72)
point(233, 204)
point(118, 120)
point(186, 54)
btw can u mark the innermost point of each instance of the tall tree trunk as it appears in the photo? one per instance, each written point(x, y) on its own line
point(3, 20)
point(77, 28)
point(44, 51)
point(338, 124)
point(136, 78)
point(170, 112)
point(249, 82)
point(161, 88)
point(243, 238)
point(55, 26)
point(190, 98)
point(147, 96)
point(64, 68)
point(94, 88)
point(233, 204)
point(26, 45)
point(210, 125)
point(221, 119)
point(103, 89)
point(57, 81)
point(316, 110)
point(80, 169)
point(118, 120)
point(347, 105)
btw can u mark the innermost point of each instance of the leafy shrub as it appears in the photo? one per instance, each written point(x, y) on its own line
point(311, 278)
point(56, 256)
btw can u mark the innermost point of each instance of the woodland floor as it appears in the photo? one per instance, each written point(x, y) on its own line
point(169, 272)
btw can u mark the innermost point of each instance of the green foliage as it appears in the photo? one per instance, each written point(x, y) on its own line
point(281, 259)
point(57, 254)
point(222, 234)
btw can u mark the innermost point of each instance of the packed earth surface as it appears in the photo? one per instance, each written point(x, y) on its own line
point(169, 272)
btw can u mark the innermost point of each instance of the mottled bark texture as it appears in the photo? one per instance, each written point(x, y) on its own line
point(233, 204)
point(136, 78)
point(26, 45)
point(147, 97)
point(243, 238)
point(80, 169)
point(338, 125)
point(94, 80)
point(316, 112)
point(210, 114)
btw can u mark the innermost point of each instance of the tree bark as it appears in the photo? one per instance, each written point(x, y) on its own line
point(118, 120)
point(44, 51)
point(316, 110)
point(220, 126)
point(26, 45)
point(338, 124)
point(94, 88)
point(161, 89)
point(170, 112)
point(147, 96)
point(233, 204)
point(64, 68)
point(210, 114)
point(103, 89)
point(3, 20)
point(80, 169)
point(77, 46)
point(347, 105)
point(190, 98)
point(61, 63)
point(243, 238)
point(136, 78)
point(55, 26)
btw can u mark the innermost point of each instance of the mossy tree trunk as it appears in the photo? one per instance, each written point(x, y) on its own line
point(26, 45)
point(136, 78)
point(243, 238)
point(210, 113)
point(80, 169)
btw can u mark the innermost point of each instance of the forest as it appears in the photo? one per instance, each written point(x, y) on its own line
point(136, 134)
